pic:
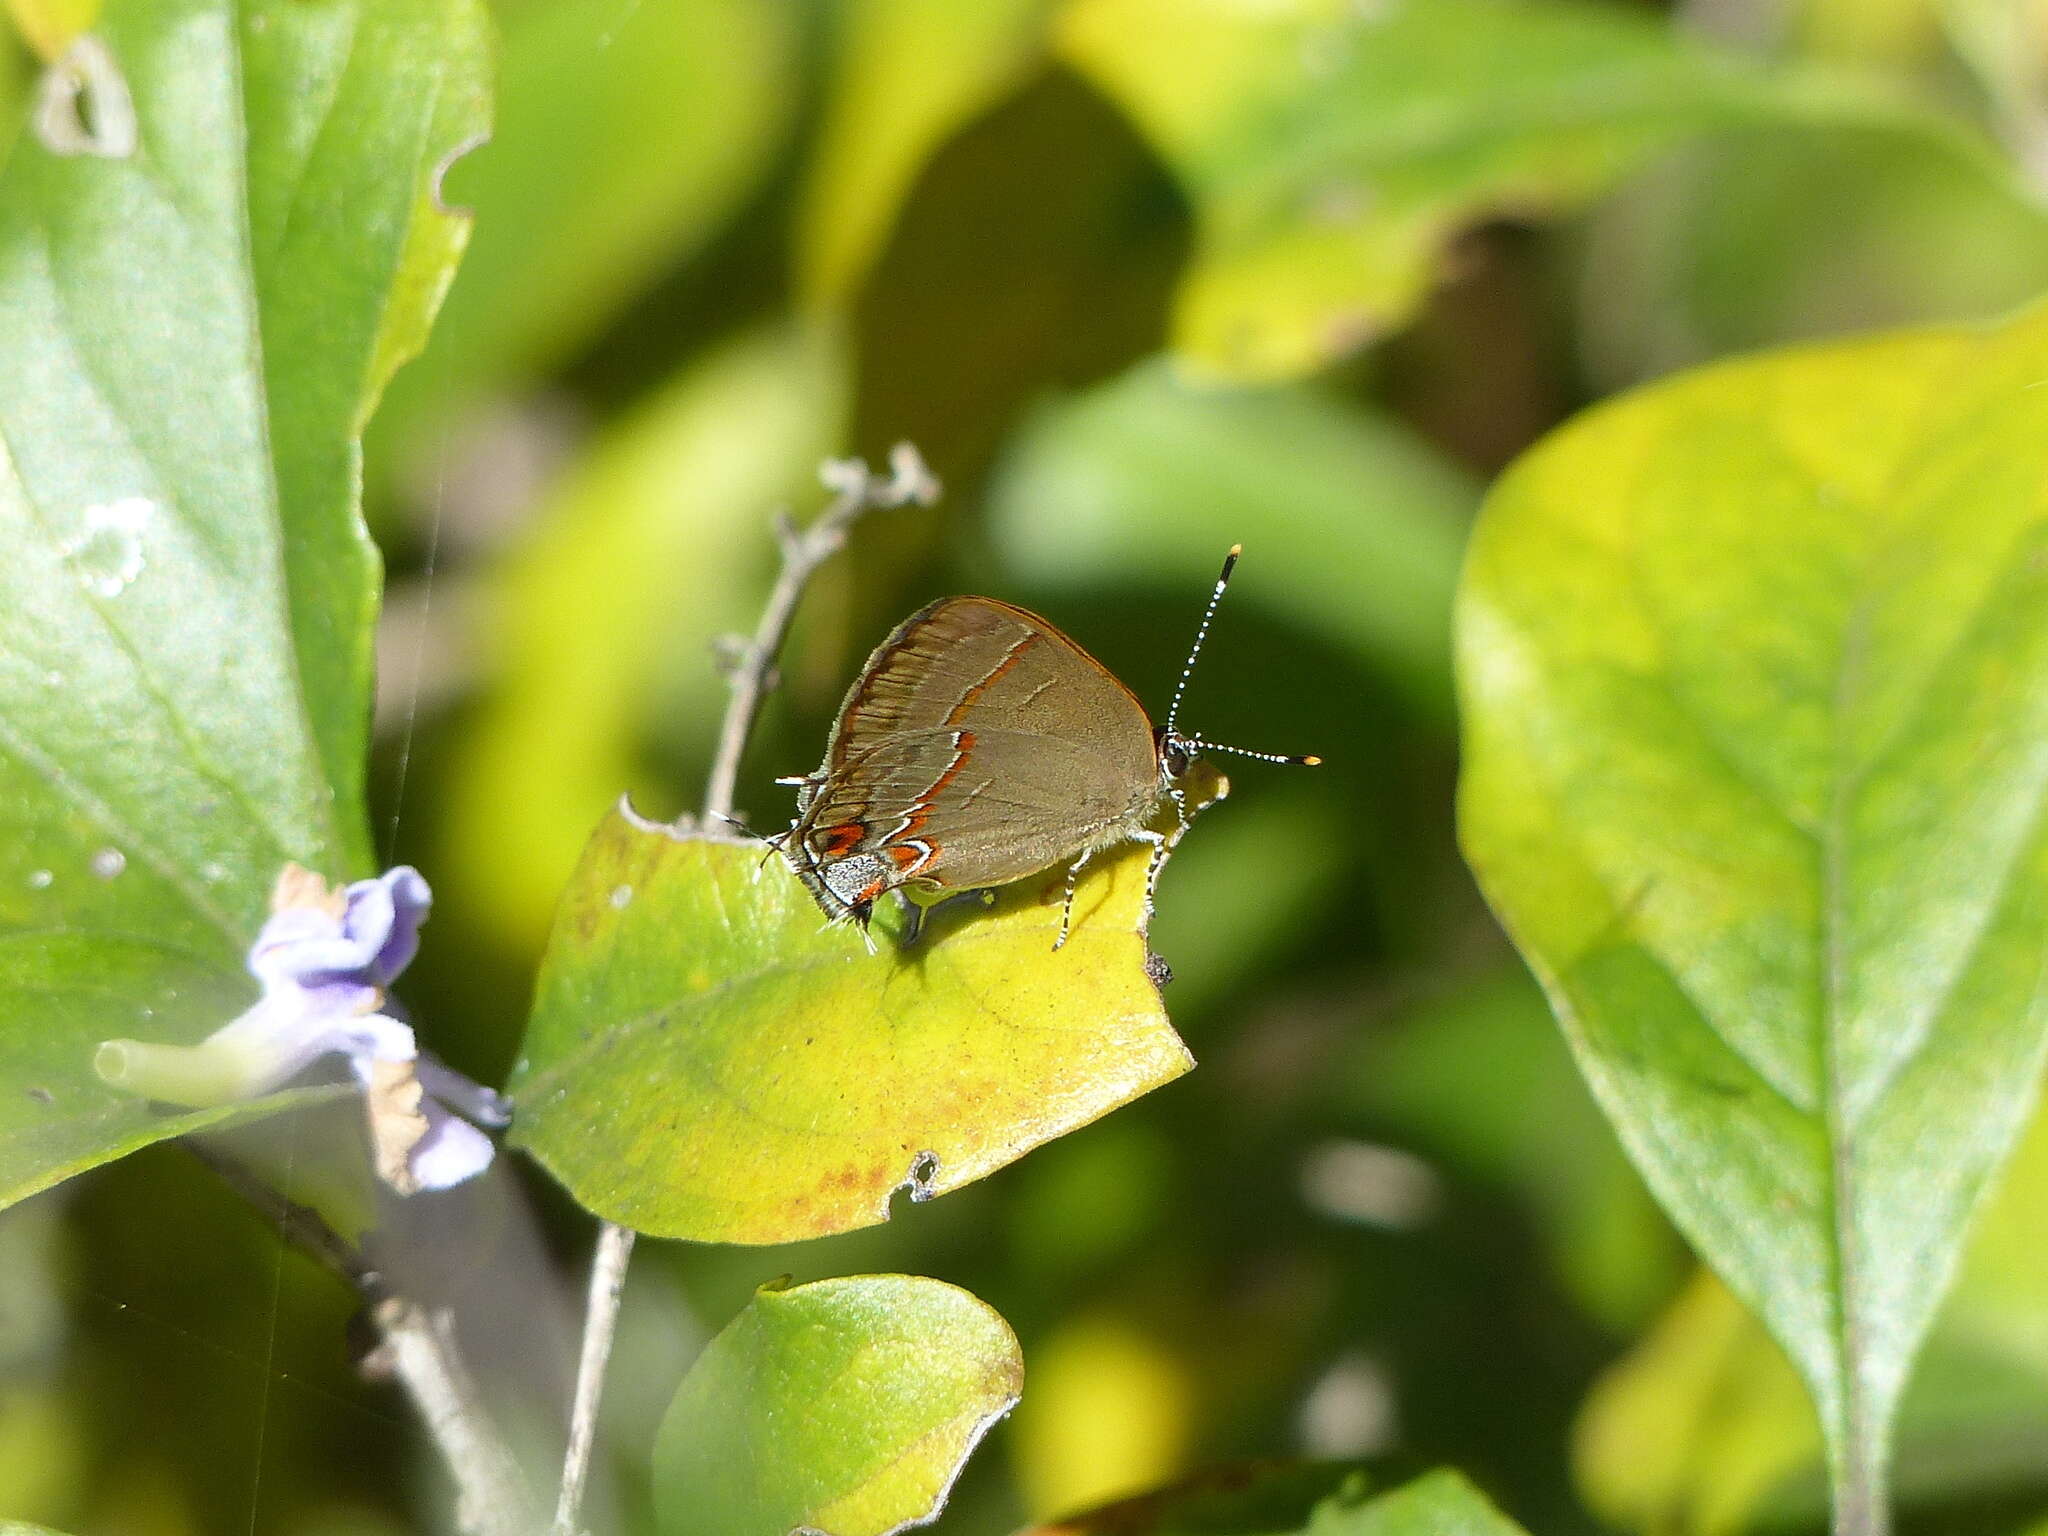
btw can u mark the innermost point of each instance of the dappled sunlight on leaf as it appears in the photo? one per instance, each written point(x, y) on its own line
point(1331, 149)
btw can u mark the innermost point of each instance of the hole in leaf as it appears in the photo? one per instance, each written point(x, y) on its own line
point(924, 1168)
point(448, 163)
point(83, 106)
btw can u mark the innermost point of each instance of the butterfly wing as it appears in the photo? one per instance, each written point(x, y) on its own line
point(978, 745)
point(965, 808)
point(964, 660)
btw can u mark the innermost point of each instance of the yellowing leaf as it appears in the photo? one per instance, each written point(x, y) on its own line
point(708, 1059)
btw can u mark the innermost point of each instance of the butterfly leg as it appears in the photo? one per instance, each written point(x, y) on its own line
point(913, 918)
point(1067, 906)
point(1160, 844)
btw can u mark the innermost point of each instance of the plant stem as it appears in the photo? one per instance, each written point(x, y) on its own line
point(803, 551)
point(752, 675)
point(418, 1348)
point(600, 1323)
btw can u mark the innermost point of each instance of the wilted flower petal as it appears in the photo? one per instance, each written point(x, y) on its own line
point(324, 958)
point(451, 1151)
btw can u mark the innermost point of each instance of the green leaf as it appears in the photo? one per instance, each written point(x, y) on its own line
point(626, 135)
point(16, 87)
point(844, 1406)
point(708, 1060)
point(196, 333)
point(583, 620)
point(1755, 675)
point(1331, 149)
point(1357, 520)
point(907, 74)
point(1282, 1498)
point(1703, 1427)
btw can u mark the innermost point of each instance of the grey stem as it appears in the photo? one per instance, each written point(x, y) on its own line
point(419, 1349)
point(803, 551)
point(857, 489)
point(600, 1323)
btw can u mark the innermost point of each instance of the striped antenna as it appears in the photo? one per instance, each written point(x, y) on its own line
point(1193, 744)
point(1201, 634)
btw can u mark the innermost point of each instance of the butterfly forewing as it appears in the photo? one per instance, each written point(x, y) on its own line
point(974, 657)
point(979, 745)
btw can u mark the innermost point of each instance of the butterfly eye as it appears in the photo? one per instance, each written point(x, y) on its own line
point(1174, 755)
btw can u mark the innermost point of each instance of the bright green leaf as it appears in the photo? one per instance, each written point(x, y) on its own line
point(708, 1060)
point(1354, 518)
point(1755, 675)
point(1282, 1498)
point(627, 133)
point(16, 86)
point(845, 1407)
point(908, 73)
point(1332, 148)
point(1703, 1429)
point(603, 622)
point(195, 334)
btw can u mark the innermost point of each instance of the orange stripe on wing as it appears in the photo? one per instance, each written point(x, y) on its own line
point(967, 699)
point(963, 748)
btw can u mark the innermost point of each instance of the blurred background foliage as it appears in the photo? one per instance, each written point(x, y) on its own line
point(1141, 278)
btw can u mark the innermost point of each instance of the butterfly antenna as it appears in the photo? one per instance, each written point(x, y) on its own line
point(1203, 744)
point(1201, 634)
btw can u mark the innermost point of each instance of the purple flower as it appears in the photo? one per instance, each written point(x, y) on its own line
point(325, 958)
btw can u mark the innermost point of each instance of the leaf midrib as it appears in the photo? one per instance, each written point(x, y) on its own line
point(1855, 1490)
point(311, 744)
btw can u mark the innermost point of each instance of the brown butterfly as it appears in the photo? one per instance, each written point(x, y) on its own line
point(979, 745)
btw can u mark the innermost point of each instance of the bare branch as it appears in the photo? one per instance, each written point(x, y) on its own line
point(750, 668)
point(418, 1347)
point(803, 550)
